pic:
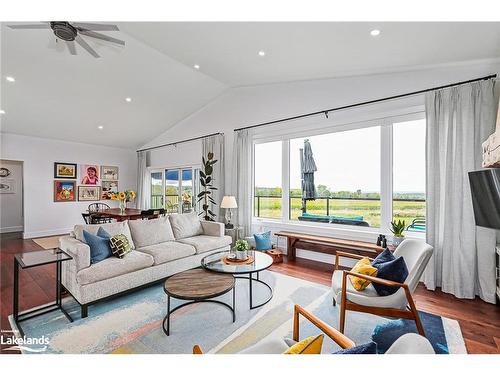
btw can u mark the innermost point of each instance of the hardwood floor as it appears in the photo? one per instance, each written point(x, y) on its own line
point(479, 321)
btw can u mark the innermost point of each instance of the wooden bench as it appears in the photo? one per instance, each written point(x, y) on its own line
point(327, 245)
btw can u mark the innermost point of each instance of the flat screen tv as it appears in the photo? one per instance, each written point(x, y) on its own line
point(485, 189)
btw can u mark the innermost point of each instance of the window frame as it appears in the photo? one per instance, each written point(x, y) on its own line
point(386, 168)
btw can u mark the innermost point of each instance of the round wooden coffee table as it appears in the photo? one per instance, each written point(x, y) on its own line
point(197, 285)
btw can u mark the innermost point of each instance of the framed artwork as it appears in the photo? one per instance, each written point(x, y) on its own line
point(89, 174)
point(108, 187)
point(7, 186)
point(89, 193)
point(64, 191)
point(65, 170)
point(109, 173)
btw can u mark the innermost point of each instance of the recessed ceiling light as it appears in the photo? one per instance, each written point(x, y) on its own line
point(196, 66)
point(262, 53)
point(100, 127)
point(10, 79)
point(375, 32)
point(2, 112)
point(128, 100)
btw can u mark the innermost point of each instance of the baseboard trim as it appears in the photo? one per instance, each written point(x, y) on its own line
point(11, 229)
point(46, 233)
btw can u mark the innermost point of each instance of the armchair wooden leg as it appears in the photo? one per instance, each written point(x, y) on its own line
point(414, 311)
point(342, 317)
point(343, 302)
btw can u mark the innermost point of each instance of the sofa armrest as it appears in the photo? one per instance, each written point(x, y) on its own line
point(78, 250)
point(212, 228)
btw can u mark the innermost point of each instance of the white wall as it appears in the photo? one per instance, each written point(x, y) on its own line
point(246, 106)
point(11, 204)
point(43, 216)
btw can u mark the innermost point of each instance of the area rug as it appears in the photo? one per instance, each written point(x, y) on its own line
point(47, 242)
point(132, 323)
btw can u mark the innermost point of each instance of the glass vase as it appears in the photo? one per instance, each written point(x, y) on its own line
point(122, 206)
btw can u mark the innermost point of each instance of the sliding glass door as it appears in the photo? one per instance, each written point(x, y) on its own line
point(174, 189)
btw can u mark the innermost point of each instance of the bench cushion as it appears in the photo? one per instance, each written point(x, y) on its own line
point(151, 232)
point(113, 266)
point(168, 251)
point(204, 243)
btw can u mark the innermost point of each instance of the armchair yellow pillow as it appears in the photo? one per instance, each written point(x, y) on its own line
point(363, 267)
point(310, 345)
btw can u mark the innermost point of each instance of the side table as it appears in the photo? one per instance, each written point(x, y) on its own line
point(234, 233)
point(34, 259)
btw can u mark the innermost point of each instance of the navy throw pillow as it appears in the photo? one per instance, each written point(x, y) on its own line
point(393, 270)
point(99, 246)
point(369, 348)
point(384, 256)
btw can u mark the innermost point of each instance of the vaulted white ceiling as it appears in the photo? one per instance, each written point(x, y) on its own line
point(57, 95)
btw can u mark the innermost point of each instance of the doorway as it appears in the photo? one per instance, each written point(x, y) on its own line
point(11, 198)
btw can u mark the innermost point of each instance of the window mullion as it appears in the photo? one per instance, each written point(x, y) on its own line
point(285, 180)
point(386, 175)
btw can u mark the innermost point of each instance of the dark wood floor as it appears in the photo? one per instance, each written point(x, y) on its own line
point(479, 321)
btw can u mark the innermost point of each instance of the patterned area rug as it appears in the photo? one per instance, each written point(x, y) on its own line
point(132, 324)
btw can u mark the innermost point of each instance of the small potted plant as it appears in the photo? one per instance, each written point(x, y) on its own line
point(397, 229)
point(241, 249)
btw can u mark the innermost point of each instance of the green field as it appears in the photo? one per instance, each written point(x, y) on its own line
point(270, 207)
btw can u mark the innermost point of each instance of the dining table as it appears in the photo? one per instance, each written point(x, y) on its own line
point(119, 215)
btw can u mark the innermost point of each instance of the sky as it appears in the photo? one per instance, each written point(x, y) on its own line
point(350, 160)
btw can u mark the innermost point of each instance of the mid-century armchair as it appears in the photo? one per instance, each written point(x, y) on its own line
point(416, 254)
point(409, 343)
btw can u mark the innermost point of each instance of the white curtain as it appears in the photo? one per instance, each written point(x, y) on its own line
point(459, 119)
point(215, 144)
point(143, 181)
point(242, 179)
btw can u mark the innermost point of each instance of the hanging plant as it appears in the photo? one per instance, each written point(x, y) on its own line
point(206, 182)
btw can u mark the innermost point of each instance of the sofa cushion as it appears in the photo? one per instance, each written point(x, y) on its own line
point(112, 228)
point(186, 225)
point(112, 267)
point(168, 251)
point(119, 245)
point(151, 232)
point(204, 243)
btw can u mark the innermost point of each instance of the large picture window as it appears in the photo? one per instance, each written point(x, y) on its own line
point(352, 178)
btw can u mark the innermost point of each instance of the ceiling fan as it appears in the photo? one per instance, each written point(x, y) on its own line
point(73, 32)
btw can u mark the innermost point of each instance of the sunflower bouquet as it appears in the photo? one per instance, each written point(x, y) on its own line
point(123, 197)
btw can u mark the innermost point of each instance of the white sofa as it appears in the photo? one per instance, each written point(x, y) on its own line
point(160, 248)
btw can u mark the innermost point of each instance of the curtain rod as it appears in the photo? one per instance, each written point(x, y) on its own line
point(325, 111)
point(176, 143)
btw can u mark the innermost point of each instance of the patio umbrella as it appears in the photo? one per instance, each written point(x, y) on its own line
point(307, 167)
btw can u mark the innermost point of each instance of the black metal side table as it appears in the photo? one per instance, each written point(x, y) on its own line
point(34, 259)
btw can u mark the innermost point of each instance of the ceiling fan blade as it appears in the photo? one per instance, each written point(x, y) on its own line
point(71, 47)
point(85, 45)
point(31, 26)
point(95, 26)
point(93, 34)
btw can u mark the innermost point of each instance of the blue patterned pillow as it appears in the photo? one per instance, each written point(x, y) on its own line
point(99, 246)
point(393, 270)
point(369, 348)
point(263, 241)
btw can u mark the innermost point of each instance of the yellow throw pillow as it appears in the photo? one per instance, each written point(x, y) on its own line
point(363, 267)
point(310, 345)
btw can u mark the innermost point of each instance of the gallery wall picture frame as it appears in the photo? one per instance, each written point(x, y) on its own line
point(108, 187)
point(64, 191)
point(89, 193)
point(90, 174)
point(109, 173)
point(65, 170)
point(7, 186)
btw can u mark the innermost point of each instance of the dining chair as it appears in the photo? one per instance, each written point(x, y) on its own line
point(94, 209)
point(416, 254)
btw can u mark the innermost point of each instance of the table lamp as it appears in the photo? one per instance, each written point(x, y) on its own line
point(228, 202)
